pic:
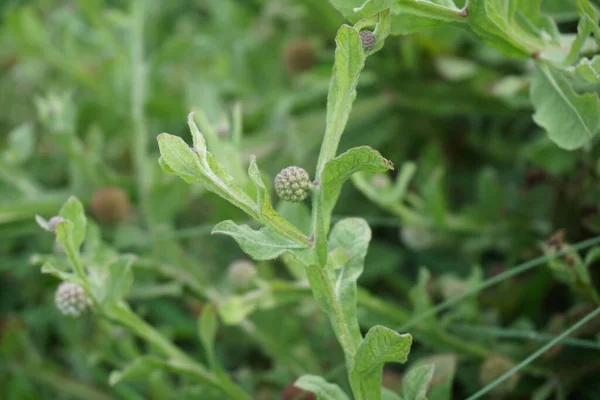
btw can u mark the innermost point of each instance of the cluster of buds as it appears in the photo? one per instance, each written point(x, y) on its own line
point(71, 299)
point(292, 184)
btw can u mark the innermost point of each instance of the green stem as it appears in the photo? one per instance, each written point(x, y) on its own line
point(126, 317)
point(75, 260)
point(535, 355)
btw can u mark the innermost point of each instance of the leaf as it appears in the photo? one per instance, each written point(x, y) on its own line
point(387, 394)
point(20, 144)
point(50, 268)
point(416, 382)
point(137, 371)
point(117, 281)
point(570, 119)
point(319, 386)
point(349, 61)
point(335, 173)
point(379, 346)
point(352, 235)
point(443, 375)
point(263, 244)
point(410, 16)
point(488, 23)
point(207, 330)
point(589, 70)
point(235, 309)
point(73, 211)
point(199, 165)
point(420, 298)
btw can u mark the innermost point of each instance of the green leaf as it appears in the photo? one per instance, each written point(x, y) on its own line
point(349, 61)
point(443, 375)
point(416, 382)
point(352, 235)
point(387, 394)
point(235, 309)
point(50, 268)
point(379, 346)
point(570, 119)
point(207, 330)
point(420, 298)
point(73, 211)
point(137, 371)
point(199, 165)
point(589, 70)
point(489, 22)
point(409, 16)
point(117, 281)
point(335, 173)
point(20, 144)
point(319, 386)
point(263, 244)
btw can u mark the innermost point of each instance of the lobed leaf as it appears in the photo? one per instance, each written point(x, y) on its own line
point(199, 165)
point(335, 173)
point(262, 244)
point(379, 346)
point(571, 119)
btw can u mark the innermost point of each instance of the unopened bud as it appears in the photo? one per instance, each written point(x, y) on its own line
point(292, 184)
point(368, 40)
point(241, 273)
point(71, 299)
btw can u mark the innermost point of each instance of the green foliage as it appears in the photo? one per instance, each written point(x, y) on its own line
point(456, 94)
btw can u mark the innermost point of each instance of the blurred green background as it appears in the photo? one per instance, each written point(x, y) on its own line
point(85, 87)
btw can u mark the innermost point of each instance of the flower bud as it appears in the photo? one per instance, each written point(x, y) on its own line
point(241, 273)
point(299, 55)
point(110, 205)
point(368, 40)
point(292, 183)
point(71, 299)
point(495, 366)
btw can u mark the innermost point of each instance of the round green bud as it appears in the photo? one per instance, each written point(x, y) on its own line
point(368, 40)
point(299, 55)
point(241, 273)
point(71, 299)
point(292, 184)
